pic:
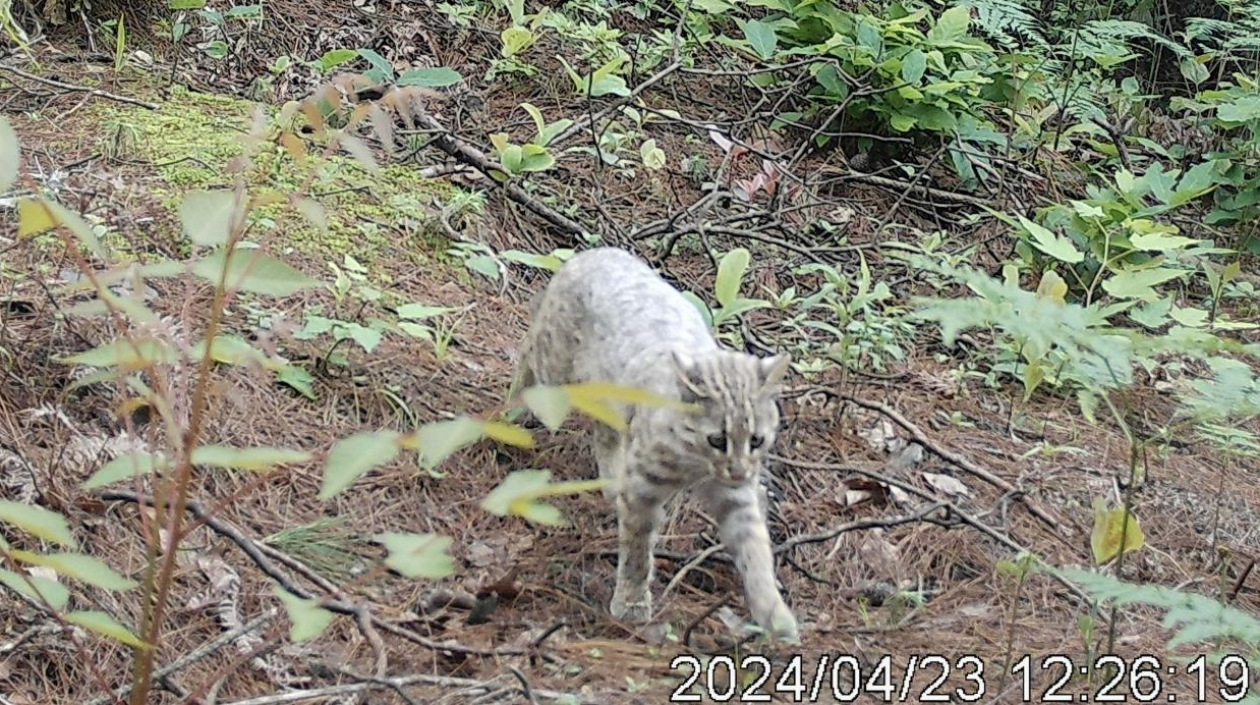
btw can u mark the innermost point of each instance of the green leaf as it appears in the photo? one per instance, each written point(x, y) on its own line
point(1060, 248)
point(418, 555)
point(255, 459)
point(207, 217)
point(332, 59)
point(379, 63)
point(80, 567)
point(10, 155)
point(653, 157)
point(439, 440)
point(253, 271)
point(126, 353)
point(550, 404)
point(105, 625)
point(419, 311)
point(761, 37)
point(309, 620)
point(313, 211)
point(38, 589)
point(730, 274)
point(298, 379)
point(126, 466)
point(913, 66)
point(951, 25)
point(515, 40)
point(354, 456)
point(520, 492)
point(1138, 284)
point(435, 77)
point(1109, 525)
point(507, 433)
point(38, 522)
point(551, 262)
point(1161, 242)
point(37, 216)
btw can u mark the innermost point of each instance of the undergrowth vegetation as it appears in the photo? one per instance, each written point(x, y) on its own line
point(1111, 154)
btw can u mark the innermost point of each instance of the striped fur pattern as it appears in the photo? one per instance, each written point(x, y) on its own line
point(607, 317)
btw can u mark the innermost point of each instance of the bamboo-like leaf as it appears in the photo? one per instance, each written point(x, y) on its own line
point(38, 522)
point(254, 458)
point(308, 619)
point(105, 625)
point(418, 555)
point(79, 566)
point(354, 456)
point(125, 467)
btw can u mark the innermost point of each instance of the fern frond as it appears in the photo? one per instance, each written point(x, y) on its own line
point(1009, 23)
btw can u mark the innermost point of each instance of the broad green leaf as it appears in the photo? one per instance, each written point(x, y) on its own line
point(37, 216)
point(419, 311)
point(730, 274)
point(539, 123)
point(439, 440)
point(550, 404)
point(38, 522)
point(1189, 316)
point(761, 37)
point(354, 456)
point(1052, 287)
point(207, 217)
point(127, 354)
point(332, 59)
point(254, 458)
point(507, 433)
point(418, 555)
point(299, 379)
point(435, 77)
point(520, 491)
point(1109, 525)
point(701, 306)
point(1060, 248)
point(1243, 109)
point(253, 271)
point(313, 211)
point(379, 63)
point(951, 26)
point(1161, 242)
point(80, 567)
point(228, 349)
point(1154, 314)
point(1139, 284)
point(105, 625)
point(515, 40)
point(653, 157)
point(913, 66)
point(551, 262)
point(10, 155)
point(126, 466)
point(39, 589)
point(308, 619)
point(739, 306)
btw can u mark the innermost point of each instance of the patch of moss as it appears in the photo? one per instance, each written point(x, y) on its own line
point(195, 136)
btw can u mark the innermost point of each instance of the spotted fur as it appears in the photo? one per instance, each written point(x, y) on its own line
point(607, 317)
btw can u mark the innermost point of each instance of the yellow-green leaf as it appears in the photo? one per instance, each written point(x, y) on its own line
point(508, 433)
point(126, 466)
point(81, 567)
point(1109, 525)
point(37, 216)
point(38, 522)
point(1052, 287)
point(38, 589)
point(254, 459)
point(418, 555)
point(207, 217)
point(10, 154)
point(730, 274)
point(439, 440)
point(520, 492)
point(550, 404)
point(127, 353)
point(254, 271)
point(308, 619)
point(105, 625)
point(354, 456)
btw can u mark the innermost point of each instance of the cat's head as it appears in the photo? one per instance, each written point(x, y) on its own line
point(737, 415)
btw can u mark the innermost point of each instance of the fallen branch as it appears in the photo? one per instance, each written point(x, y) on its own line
point(72, 87)
point(367, 684)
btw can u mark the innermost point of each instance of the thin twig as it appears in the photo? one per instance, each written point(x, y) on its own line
point(297, 696)
point(72, 87)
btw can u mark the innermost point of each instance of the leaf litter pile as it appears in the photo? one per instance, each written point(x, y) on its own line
point(902, 497)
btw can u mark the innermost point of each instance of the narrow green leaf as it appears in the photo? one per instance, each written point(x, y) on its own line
point(106, 626)
point(126, 353)
point(37, 216)
point(37, 521)
point(730, 274)
point(520, 492)
point(207, 217)
point(10, 154)
point(40, 589)
point(308, 619)
point(126, 466)
point(507, 433)
point(436, 77)
point(253, 458)
point(253, 271)
point(354, 456)
point(418, 555)
point(332, 59)
point(298, 379)
point(80, 567)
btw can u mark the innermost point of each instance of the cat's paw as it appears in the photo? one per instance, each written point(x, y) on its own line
point(782, 625)
point(635, 611)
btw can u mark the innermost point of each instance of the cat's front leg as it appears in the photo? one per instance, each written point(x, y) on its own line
point(639, 518)
point(741, 521)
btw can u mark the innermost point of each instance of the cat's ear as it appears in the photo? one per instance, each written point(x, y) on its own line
point(772, 371)
point(685, 369)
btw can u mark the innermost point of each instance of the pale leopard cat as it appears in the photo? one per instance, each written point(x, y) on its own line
point(607, 317)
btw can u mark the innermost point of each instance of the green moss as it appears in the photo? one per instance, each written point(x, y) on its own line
point(194, 137)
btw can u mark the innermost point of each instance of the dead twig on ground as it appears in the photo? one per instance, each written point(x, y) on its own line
point(369, 684)
point(72, 87)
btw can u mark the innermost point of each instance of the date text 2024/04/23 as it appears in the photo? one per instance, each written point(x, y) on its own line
point(935, 678)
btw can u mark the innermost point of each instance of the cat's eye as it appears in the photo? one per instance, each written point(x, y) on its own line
point(717, 440)
point(756, 442)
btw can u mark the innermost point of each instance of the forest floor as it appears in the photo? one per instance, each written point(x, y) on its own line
point(887, 556)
